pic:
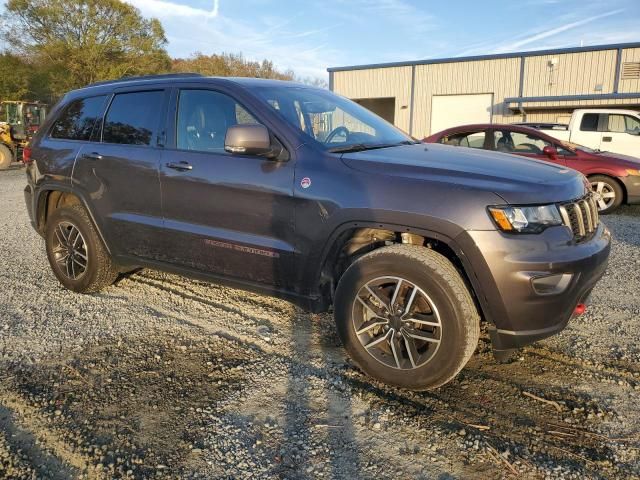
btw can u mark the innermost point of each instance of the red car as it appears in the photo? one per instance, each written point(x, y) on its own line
point(615, 178)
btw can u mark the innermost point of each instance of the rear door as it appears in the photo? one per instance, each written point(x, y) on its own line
point(119, 173)
point(231, 215)
point(621, 134)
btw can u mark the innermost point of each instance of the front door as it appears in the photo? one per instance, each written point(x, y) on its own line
point(119, 172)
point(230, 215)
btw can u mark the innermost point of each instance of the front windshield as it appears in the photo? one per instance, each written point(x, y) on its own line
point(336, 123)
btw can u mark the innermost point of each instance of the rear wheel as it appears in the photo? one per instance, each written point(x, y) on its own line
point(76, 254)
point(608, 193)
point(6, 157)
point(406, 317)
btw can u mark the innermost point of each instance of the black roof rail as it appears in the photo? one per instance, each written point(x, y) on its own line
point(146, 77)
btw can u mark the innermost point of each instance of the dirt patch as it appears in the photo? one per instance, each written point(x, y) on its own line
point(163, 377)
point(127, 408)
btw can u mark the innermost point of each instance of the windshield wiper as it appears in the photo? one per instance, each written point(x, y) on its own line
point(359, 147)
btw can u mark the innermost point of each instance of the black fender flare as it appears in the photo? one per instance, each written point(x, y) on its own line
point(46, 189)
point(451, 242)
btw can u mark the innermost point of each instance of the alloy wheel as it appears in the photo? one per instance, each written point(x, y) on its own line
point(396, 322)
point(70, 250)
point(605, 195)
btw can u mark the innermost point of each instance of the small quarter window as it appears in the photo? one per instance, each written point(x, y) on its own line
point(133, 118)
point(78, 119)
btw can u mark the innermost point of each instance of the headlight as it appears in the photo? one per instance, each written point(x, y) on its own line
point(525, 219)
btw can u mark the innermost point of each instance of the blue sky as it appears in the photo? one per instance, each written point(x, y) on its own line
point(310, 35)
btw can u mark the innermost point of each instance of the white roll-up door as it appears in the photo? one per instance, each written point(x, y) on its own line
point(454, 110)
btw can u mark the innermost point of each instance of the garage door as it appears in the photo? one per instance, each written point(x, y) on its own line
point(453, 110)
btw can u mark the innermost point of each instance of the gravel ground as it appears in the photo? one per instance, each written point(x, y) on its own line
point(163, 377)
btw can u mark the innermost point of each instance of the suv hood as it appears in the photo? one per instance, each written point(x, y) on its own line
point(516, 179)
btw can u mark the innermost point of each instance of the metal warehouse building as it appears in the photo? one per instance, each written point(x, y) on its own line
point(424, 97)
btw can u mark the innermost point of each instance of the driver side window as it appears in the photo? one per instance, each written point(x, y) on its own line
point(518, 142)
point(203, 119)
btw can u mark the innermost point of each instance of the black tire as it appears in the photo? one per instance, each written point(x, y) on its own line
point(99, 271)
point(436, 276)
point(609, 185)
point(6, 157)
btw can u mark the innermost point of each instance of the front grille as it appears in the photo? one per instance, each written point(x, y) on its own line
point(581, 216)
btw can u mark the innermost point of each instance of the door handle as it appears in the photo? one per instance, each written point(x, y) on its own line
point(606, 139)
point(92, 156)
point(180, 166)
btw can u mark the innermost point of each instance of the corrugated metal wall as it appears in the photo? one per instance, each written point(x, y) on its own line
point(499, 77)
point(581, 73)
point(376, 83)
point(572, 74)
point(631, 85)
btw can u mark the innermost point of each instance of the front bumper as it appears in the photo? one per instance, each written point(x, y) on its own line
point(507, 266)
point(632, 187)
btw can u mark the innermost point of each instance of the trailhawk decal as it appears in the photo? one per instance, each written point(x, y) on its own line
point(242, 248)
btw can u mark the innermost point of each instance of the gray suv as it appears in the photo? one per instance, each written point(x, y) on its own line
point(298, 193)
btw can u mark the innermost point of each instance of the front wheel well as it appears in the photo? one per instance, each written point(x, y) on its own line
point(614, 179)
point(353, 243)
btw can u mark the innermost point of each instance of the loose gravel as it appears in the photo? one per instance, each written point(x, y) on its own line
point(159, 376)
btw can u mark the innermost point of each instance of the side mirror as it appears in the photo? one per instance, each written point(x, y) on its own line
point(550, 152)
point(251, 139)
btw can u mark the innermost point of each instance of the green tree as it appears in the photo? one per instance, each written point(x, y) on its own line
point(77, 42)
point(15, 77)
point(229, 65)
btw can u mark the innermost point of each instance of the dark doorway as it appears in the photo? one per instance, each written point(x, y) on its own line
point(383, 107)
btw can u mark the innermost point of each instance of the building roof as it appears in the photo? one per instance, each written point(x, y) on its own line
point(531, 53)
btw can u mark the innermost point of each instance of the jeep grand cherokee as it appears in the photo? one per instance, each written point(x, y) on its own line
point(302, 194)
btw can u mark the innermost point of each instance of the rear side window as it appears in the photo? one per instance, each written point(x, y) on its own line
point(624, 124)
point(78, 119)
point(590, 122)
point(133, 118)
point(466, 139)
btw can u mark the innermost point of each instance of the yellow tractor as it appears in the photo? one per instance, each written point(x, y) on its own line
point(18, 122)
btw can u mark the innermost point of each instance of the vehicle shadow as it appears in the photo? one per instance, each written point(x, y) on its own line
point(332, 428)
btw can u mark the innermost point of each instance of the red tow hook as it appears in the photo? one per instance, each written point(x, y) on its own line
point(580, 309)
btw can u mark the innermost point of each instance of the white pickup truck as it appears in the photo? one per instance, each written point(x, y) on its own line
point(616, 131)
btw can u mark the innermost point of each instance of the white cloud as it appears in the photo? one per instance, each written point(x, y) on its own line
point(554, 31)
point(566, 32)
point(304, 51)
point(166, 9)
